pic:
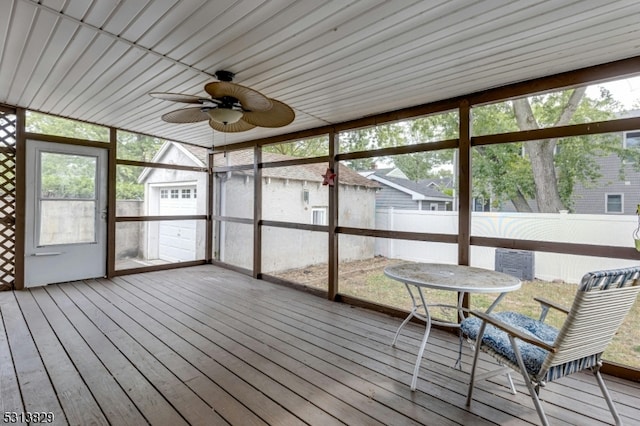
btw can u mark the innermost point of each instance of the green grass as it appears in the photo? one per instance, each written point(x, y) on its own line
point(366, 280)
point(375, 286)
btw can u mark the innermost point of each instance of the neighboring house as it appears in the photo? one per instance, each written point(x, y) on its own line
point(616, 192)
point(613, 194)
point(399, 192)
point(290, 194)
point(439, 184)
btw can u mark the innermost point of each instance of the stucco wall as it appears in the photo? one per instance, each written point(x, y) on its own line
point(283, 200)
point(356, 208)
point(59, 227)
point(129, 235)
point(236, 248)
point(235, 194)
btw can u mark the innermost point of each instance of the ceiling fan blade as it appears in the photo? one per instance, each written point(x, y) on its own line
point(185, 115)
point(239, 126)
point(176, 97)
point(249, 99)
point(279, 115)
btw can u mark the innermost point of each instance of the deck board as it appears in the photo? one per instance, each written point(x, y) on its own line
point(206, 345)
point(11, 401)
point(249, 352)
point(286, 352)
point(155, 408)
point(77, 402)
point(222, 364)
point(113, 400)
point(323, 349)
point(37, 391)
point(205, 385)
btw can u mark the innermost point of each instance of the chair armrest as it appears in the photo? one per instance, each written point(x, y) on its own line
point(513, 331)
point(545, 304)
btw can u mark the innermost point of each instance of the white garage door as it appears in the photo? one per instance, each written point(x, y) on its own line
point(177, 238)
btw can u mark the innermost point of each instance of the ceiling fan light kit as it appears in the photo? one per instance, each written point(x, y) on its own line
point(225, 115)
point(231, 107)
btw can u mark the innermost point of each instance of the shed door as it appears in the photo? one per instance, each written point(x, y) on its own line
point(177, 238)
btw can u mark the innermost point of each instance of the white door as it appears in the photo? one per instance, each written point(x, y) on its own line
point(66, 227)
point(177, 238)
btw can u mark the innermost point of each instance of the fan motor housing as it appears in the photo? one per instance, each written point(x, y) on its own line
point(225, 75)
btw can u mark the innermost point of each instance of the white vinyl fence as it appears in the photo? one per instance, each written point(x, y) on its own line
point(610, 230)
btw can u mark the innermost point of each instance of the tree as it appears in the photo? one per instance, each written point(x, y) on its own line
point(77, 181)
point(313, 147)
point(360, 140)
point(68, 177)
point(429, 164)
point(133, 146)
point(542, 170)
point(58, 126)
point(545, 171)
point(541, 152)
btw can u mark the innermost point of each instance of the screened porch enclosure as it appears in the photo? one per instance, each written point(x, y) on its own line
point(174, 273)
point(272, 218)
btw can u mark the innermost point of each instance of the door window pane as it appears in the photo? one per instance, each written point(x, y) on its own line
point(67, 176)
point(67, 201)
point(67, 222)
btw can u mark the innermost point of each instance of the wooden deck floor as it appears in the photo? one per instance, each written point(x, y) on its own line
point(207, 346)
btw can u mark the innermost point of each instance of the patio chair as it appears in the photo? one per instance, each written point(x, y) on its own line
point(542, 353)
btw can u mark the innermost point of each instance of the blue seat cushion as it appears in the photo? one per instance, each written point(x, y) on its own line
point(498, 341)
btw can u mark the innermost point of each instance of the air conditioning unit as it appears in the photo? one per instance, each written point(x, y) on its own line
point(518, 263)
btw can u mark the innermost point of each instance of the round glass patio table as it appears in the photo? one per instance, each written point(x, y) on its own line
point(457, 278)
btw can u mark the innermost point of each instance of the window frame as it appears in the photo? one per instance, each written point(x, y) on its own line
point(625, 138)
point(319, 209)
point(606, 202)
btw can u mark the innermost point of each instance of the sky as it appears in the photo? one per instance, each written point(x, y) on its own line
point(625, 91)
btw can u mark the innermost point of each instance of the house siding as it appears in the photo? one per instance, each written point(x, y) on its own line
point(390, 197)
point(593, 200)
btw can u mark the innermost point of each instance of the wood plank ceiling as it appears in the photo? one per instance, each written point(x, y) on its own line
point(331, 61)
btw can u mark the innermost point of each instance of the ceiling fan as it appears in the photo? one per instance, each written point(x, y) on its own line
point(231, 107)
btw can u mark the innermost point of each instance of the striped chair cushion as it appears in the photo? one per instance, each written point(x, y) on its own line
point(571, 367)
point(603, 280)
point(498, 341)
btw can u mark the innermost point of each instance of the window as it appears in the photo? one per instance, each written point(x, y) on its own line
point(632, 140)
point(433, 206)
point(319, 215)
point(67, 201)
point(480, 205)
point(613, 203)
point(175, 193)
point(186, 193)
point(194, 192)
point(164, 193)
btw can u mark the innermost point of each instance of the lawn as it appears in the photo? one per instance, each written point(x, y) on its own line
point(365, 279)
